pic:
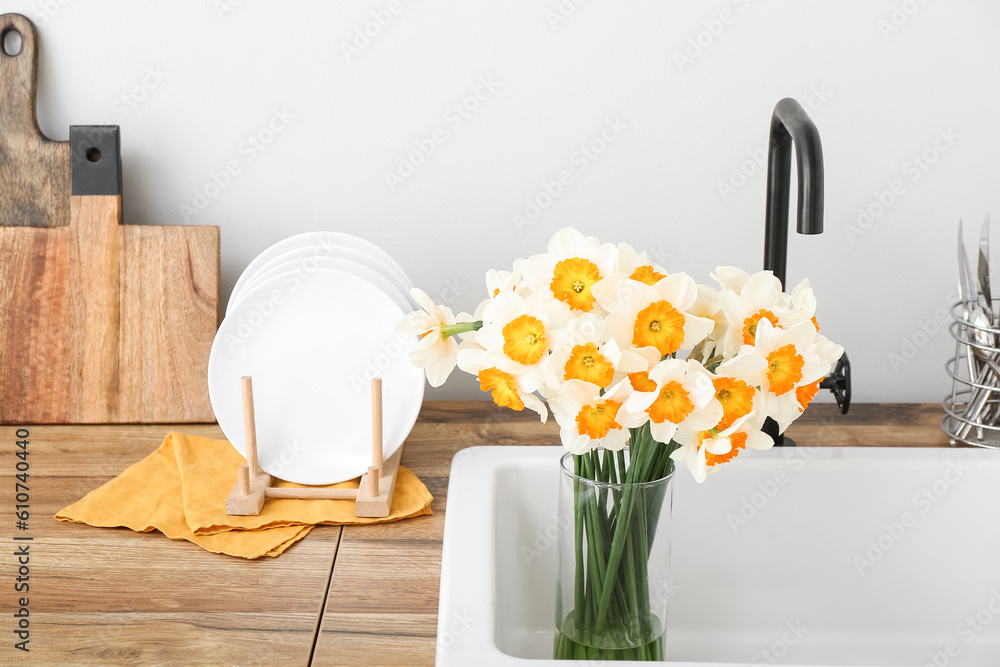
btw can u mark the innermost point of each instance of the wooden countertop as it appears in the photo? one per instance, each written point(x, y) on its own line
point(115, 597)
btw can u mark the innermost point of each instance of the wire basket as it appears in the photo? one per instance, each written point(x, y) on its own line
point(972, 410)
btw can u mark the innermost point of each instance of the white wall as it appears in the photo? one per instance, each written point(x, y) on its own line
point(885, 80)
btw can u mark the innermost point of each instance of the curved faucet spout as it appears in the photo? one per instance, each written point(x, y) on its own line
point(791, 125)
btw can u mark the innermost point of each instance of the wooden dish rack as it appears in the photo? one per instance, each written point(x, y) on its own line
point(372, 498)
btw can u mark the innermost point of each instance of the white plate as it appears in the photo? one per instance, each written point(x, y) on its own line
point(318, 253)
point(319, 240)
point(312, 349)
point(298, 270)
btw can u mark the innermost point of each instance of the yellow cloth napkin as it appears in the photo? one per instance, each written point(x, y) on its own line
point(181, 489)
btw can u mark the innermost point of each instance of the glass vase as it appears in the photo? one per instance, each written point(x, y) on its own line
point(612, 588)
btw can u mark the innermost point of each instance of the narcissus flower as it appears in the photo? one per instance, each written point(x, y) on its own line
point(630, 265)
point(570, 268)
point(658, 315)
point(683, 394)
point(438, 329)
point(516, 328)
point(795, 357)
point(503, 379)
point(587, 419)
point(580, 352)
point(704, 451)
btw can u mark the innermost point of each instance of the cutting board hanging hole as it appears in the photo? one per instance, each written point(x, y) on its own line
point(11, 42)
point(94, 155)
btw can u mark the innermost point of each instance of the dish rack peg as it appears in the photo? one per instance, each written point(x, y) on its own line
point(372, 498)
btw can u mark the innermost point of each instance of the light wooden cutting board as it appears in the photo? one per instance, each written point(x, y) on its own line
point(99, 321)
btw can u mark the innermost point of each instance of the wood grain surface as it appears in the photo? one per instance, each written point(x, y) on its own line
point(34, 171)
point(108, 597)
point(107, 323)
point(114, 597)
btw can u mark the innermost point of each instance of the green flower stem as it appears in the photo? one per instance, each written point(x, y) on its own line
point(618, 541)
point(460, 327)
point(579, 592)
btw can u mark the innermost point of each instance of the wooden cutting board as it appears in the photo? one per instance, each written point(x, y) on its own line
point(99, 322)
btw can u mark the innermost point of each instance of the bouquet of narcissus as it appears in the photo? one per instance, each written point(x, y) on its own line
point(627, 354)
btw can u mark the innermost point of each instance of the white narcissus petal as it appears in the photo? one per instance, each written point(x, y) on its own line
point(416, 323)
point(763, 288)
point(718, 446)
point(731, 278)
point(662, 431)
point(706, 417)
point(422, 299)
point(532, 402)
point(438, 372)
point(749, 367)
point(615, 440)
point(696, 329)
point(636, 407)
point(574, 442)
point(759, 440)
point(667, 370)
point(564, 410)
point(605, 291)
point(679, 289)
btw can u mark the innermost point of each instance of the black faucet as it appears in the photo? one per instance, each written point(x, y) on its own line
point(791, 126)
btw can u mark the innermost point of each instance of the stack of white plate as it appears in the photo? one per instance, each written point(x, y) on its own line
point(311, 320)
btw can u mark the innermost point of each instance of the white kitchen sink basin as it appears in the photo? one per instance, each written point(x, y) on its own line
point(798, 556)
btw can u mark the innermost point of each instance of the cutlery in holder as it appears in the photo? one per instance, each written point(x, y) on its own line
point(973, 407)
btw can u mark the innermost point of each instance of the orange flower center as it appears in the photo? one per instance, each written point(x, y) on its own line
point(672, 405)
point(659, 325)
point(572, 280)
point(806, 393)
point(598, 419)
point(641, 382)
point(815, 323)
point(750, 325)
point(524, 340)
point(736, 397)
point(738, 441)
point(647, 274)
point(784, 369)
point(587, 364)
point(502, 388)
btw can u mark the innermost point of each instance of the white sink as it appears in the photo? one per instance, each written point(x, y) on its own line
point(799, 556)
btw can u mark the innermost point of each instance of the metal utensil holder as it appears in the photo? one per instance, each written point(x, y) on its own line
point(973, 408)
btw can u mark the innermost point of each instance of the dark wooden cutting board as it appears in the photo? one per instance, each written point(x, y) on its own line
point(99, 321)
